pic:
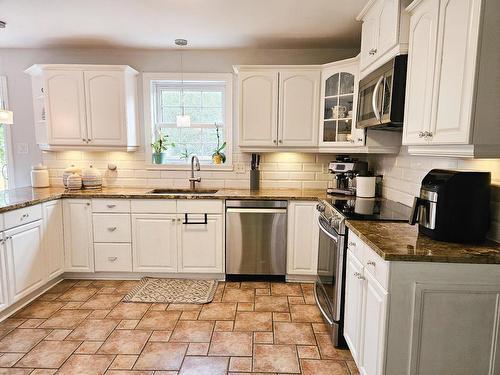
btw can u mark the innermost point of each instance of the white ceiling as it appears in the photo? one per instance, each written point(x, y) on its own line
point(205, 23)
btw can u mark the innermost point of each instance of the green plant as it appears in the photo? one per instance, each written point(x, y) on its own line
point(218, 151)
point(161, 144)
point(185, 154)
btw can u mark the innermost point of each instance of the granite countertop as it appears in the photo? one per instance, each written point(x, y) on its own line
point(23, 197)
point(402, 242)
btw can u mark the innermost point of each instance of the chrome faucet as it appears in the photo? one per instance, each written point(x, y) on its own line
point(195, 165)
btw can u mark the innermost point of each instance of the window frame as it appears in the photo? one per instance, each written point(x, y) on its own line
point(4, 95)
point(225, 79)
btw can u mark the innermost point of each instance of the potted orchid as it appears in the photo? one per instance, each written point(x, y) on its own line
point(159, 147)
point(219, 157)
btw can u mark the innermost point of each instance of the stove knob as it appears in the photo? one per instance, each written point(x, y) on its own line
point(320, 207)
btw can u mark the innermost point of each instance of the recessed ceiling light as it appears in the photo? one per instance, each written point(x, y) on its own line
point(2, 25)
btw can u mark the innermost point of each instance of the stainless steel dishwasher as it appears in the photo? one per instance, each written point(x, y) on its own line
point(256, 239)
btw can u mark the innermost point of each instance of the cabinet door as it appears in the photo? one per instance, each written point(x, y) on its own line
point(258, 108)
point(4, 291)
point(388, 26)
point(154, 242)
point(302, 247)
point(201, 246)
point(298, 108)
point(373, 332)
point(53, 237)
point(78, 239)
point(420, 75)
point(65, 107)
point(353, 304)
point(106, 120)
point(455, 71)
point(369, 37)
point(26, 263)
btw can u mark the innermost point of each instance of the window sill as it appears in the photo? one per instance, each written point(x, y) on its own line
point(204, 167)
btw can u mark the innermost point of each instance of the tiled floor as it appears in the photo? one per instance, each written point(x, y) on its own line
point(81, 327)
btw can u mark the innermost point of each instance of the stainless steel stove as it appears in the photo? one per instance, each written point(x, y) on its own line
point(333, 233)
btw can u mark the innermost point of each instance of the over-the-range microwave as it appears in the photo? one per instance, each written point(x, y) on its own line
point(381, 98)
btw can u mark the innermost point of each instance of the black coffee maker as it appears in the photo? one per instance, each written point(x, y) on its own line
point(453, 206)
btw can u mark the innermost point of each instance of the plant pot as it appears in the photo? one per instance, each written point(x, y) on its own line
point(159, 158)
point(217, 159)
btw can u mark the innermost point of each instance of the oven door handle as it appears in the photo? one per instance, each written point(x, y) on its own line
point(336, 239)
point(375, 98)
point(327, 318)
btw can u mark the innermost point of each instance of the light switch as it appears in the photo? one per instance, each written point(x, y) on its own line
point(22, 148)
point(239, 168)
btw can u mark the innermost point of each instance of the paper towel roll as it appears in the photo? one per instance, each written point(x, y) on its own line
point(365, 187)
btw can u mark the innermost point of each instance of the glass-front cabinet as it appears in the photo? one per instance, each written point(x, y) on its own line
point(339, 94)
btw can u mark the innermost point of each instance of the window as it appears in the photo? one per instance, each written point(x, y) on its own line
point(207, 99)
point(5, 149)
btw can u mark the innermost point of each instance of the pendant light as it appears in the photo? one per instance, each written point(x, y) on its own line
point(183, 121)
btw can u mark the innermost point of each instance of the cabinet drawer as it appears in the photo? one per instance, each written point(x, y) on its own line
point(113, 257)
point(111, 205)
point(153, 206)
point(22, 216)
point(111, 227)
point(376, 266)
point(199, 206)
point(356, 245)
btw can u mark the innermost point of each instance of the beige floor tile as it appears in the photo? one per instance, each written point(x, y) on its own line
point(32, 323)
point(22, 340)
point(308, 352)
point(124, 362)
point(98, 314)
point(10, 359)
point(58, 334)
point(127, 324)
point(40, 309)
point(102, 302)
point(158, 307)
point(281, 317)
point(161, 356)
point(293, 333)
point(296, 300)
point(204, 365)
point(286, 289)
point(189, 315)
point(231, 344)
point(198, 348)
point(15, 371)
point(306, 314)
point(245, 306)
point(224, 326)
point(253, 321)
point(328, 351)
point(240, 364)
point(48, 354)
point(353, 369)
point(63, 286)
point(160, 320)
point(137, 372)
point(218, 311)
point(184, 307)
point(89, 347)
point(125, 342)
point(255, 285)
point(129, 310)
point(275, 358)
point(93, 329)
point(72, 305)
point(162, 336)
point(78, 294)
point(42, 371)
point(323, 367)
point(263, 292)
point(231, 284)
point(11, 323)
point(192, 331)
point(263, 337)
point(238, 295)
point(271, 303)
point(320, 328)
point(66, 319)
point(86, 364)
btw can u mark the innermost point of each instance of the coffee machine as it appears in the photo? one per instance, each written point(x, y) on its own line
point(453, 206)
point(345, 170)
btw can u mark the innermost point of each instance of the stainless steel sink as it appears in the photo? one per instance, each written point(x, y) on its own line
point(183, 191)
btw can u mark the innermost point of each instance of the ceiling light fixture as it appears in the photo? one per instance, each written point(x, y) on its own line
point(183, 121)
point(2, 24)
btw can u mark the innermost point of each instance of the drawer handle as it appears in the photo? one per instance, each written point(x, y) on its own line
point(353, 244)
point(187, 222)
point(112, 229)
point(111, 205)
point(112, 259)
point(371, 263)
point(359, 276)
point(25, 216)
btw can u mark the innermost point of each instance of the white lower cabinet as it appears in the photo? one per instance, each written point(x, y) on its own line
point(154, 242)
point(201, 247)
point(53, 237)
point(26, 261)
point(302, 238)
point(78, 241)
point(113, 257)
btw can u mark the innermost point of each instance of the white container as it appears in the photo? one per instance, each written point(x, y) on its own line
point(365, 187)
point(68, 172)
point(39, 176)
point(91, 178)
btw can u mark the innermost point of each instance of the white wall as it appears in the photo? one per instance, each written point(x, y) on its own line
point(14, 61)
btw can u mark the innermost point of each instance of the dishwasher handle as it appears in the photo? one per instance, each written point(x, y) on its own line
point(256, 210)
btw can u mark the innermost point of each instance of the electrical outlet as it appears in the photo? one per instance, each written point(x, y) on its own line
point(22, 148)
point(239, 168)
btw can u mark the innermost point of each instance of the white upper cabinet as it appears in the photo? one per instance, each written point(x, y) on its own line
point(88, 107)
point(278, 107)
point(384, 33)
point(339, 97)
point(298, 108)
point(258, 108)
point(452, 86)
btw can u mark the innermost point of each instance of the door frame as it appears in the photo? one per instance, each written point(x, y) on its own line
point(4, 95)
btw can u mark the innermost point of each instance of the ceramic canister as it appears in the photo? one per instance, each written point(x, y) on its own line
point(68, 172)
point(74, 182)
point(39, 176)
point(91, 178)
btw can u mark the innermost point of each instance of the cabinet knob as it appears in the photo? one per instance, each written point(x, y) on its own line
point(372, 52)
point(359, 275)
point(371, 263)
point(280, 141)
point(112, 229)
point(353, 244)
point(111, 205)
point(112, 259)
point(274, 141)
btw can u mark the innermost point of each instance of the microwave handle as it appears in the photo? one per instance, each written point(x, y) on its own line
point(417, 202)
point(375, 98)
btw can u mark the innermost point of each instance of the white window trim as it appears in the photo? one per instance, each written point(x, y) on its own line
point(147, 79)
point(8, 135)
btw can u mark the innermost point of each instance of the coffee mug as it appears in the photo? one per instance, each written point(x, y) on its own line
point(339, 111)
